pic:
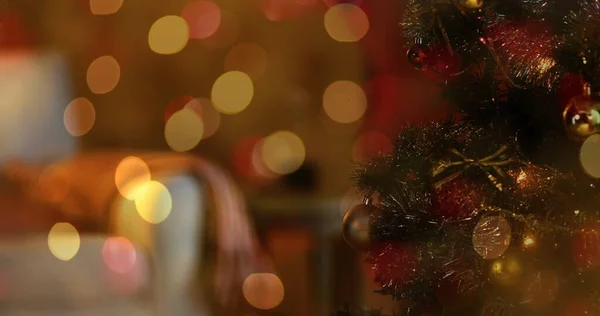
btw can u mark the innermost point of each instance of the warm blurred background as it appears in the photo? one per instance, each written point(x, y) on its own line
point(286, 95)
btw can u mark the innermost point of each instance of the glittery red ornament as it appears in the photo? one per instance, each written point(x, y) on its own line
point(393, 263)
point(443, 64)
point(586, 247)
point(456, 200)
point(419, 56)
point(457, 285)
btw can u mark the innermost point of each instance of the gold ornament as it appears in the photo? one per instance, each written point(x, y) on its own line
point(356, 226)
point(582, 115)
point(491, 237)
point(469, 4)
point(506, 271)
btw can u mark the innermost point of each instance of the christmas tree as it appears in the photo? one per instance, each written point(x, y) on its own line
point(495, 211)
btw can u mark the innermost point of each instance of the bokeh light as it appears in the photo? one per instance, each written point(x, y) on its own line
point(176, 105)
point(119, 254)
point(208, 114)
point(79, 117)
point(203, 18)
point(331, 3)
point(153, 202)
point(168, 35)
point(184, 130)
point(263, 290)
point(103, 74)
point(590, 156)
point(226, 34)
point(258, 163)
point(64, 241)
point(105, 7)
point(344, 102)
point(370, 144)
point(346, 22)
point(283, 152)
point(130, 174)
point(232, 92)
point(249, 58)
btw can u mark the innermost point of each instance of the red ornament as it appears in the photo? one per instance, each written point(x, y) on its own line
point(443, 63)
point(457, 285)
point(393, 263)
point(586, 247)
point(457, 200)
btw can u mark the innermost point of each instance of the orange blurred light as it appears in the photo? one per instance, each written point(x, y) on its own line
point(168, 35)
point(64, 241)
point(346, 22)
point(184, 130)
point(344, 102)
point(223, 96)
point(203, 18)
point(105, 7)
point(103, 74)
point(129, 175)
point(263, 290)
point(283, 152)
point(79, 117)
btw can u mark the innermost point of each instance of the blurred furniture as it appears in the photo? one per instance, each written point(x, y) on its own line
point(39, 157)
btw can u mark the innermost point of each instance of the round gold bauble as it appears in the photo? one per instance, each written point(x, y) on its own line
point(491, 237)
point(356, 228)
point(582, 116)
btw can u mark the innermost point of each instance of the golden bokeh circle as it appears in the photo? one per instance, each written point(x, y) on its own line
point(64, 241)
point(346, 22)
point(79, 117)
point(184, 130)
point(103, 74)
point(232, 92)
point(168, 35)
point(153, 202)
point(263, 290)
point(130, 174)
point(589, 156)
point(344, 102)
point(283, 152)
point(105, 7)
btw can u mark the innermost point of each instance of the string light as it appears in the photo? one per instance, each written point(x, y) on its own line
point(346, 22)
point(105, 7)
point(184, 130)
point(153, 202)
point(283, 152)
point(227, 102)
point(168, 35)
point(203, 18)
point(79, 117)
point(64, 241)
point(103, 74)
point(344, 101)
point(130, 174)
point(263, 290)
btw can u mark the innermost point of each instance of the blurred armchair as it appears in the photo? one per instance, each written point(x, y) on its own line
point(172, 260)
